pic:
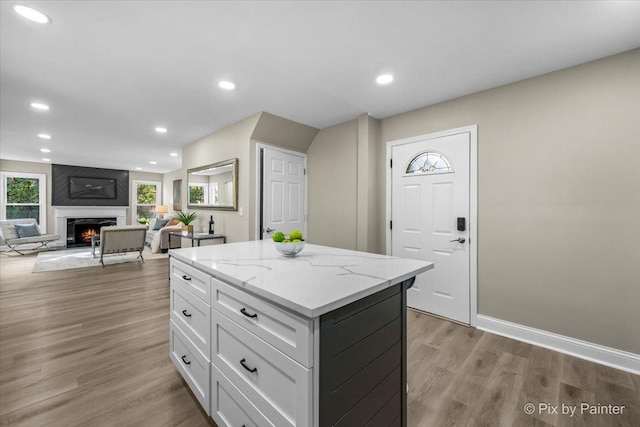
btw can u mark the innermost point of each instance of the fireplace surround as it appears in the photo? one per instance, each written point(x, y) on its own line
point(81, 230)
point(63, 214)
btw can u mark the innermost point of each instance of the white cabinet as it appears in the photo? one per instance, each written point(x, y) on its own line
point(266, 341)
point(285, 331)
point(277, 385)
point(247, 361)
point(192, 364)
point(190, 328)
point(193, 316)
point(192, 279)
point(231, 408)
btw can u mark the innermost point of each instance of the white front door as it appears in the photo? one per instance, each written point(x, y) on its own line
point(283, 185)
point(430, 220)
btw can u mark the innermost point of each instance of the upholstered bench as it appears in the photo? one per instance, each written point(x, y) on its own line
point(29, 234)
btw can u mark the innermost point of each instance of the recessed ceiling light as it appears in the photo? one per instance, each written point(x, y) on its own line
point(227, 85)
point(44, 136)
point(384, 79)
point(138, 169)
point(161, 130)
point(46, 160)
point(173, 154)
point(32, 14)
point(45, 150)
point(153, 163)
point(39, 106)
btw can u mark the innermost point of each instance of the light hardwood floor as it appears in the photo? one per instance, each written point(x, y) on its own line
point(89, 347)
point(460, 376)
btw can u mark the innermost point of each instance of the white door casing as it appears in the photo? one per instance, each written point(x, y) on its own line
point(424, 208)
point(284, 191)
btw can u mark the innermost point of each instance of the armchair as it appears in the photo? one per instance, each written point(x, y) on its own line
point(114, 240)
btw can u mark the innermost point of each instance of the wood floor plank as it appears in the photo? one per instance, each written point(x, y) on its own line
point(570, 399)
point(501, 392)
point(89, 347)
point(499, 376)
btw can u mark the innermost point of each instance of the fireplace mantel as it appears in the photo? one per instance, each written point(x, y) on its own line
point(61, 213)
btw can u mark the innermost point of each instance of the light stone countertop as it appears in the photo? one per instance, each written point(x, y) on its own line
point(316, 281)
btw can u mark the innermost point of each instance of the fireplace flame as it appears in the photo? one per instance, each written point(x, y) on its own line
point(87, 234)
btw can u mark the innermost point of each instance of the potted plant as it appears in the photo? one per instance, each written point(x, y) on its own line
point(187, 218)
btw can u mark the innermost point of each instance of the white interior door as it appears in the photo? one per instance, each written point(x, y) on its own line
point(283, 183)
point(430, 192)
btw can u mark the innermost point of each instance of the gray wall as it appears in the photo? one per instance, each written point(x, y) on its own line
point(167, 189)
point(559, 197)
point(343, 192)
point(228, 143)
point(332, 166)
point(239, 141)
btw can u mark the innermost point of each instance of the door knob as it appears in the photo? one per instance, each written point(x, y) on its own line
point(269, 230)
point(459, 240)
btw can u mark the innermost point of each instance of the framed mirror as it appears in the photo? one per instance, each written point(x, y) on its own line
point(213, 186)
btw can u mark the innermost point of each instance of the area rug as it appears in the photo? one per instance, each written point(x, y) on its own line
point(82, 258)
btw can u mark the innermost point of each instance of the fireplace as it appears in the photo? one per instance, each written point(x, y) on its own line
point(80, 230)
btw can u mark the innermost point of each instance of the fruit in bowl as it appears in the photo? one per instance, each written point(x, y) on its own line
point(289, 245)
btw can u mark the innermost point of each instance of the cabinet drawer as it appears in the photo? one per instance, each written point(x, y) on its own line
point(231, 408)
point(192, 364)
point(195, 281)
point(277, 385)
point(193, 316)
point(285, 331)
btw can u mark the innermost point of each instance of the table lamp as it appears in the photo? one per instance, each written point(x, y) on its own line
point(162, 209)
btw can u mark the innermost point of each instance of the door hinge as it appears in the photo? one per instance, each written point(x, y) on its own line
point(305, 171)
point(390, 225)
point(391, 163)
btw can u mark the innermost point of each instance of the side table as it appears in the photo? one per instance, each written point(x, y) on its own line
point(195, 237)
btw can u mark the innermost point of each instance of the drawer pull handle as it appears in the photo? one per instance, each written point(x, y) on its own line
point(244, 365)
point(186, 278)
point(184, 361)
point(244, 311)
point(185, 313)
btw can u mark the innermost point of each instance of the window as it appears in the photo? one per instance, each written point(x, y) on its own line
point(197, 193)
point(24, 196)
point(213, 194)
point(203, 194)
point(429, 162)
point(145, 199)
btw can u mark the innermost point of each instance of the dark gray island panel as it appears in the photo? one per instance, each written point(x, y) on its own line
point(363, 361)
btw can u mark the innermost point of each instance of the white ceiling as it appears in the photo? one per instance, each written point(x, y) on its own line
point(113, 70)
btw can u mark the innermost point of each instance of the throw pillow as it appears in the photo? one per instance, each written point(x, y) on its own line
point(160, 223)
point(27, 230)
point(174, 221)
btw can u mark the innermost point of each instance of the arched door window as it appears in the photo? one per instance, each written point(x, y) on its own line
point(429, 162)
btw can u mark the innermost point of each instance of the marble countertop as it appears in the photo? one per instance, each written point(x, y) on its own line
point(318, 280)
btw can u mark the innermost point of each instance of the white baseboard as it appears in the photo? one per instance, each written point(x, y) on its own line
point(608, 356)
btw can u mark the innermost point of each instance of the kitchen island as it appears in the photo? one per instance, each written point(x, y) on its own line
point(318, 339)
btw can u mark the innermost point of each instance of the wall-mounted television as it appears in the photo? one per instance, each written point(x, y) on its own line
point(92, 188)
point(85, 186)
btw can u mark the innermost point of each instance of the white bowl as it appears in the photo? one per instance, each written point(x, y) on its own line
point(290, 248)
